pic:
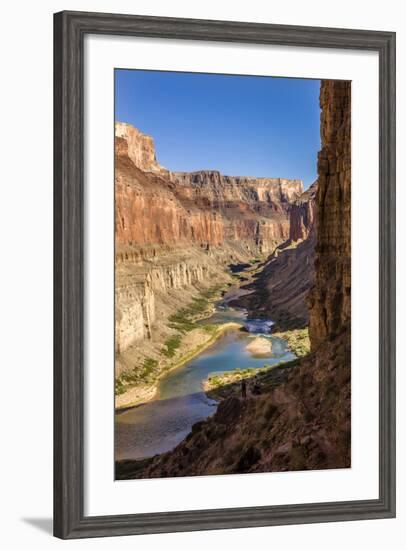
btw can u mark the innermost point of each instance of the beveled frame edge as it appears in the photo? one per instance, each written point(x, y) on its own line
point(69, 31)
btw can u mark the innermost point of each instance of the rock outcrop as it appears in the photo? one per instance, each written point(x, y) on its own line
point(303, 215)
point(135, 299)
point(280, 289)
point(149, 213)
point(330, 301)
point(139, 147)
point(217, 189)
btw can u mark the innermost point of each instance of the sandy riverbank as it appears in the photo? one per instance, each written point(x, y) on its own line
point(222, 385)
point(258, 380)
point(194, 343)
point(260, 347)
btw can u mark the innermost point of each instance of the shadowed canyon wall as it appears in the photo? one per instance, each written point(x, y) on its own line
point(280, 289)
point(330, 300)
point(303, 215)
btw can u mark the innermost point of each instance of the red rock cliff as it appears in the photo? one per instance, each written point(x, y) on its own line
point(330, 300)
point(140, 148)
point(281, 288)
point(156, 207)
point(148, 212)
point(303, 214)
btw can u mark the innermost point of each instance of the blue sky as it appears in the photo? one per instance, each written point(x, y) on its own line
point(239, 125)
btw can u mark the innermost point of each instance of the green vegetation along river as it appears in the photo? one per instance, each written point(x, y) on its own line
point(159, 425)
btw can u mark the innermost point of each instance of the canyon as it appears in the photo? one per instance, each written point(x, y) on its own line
point(281, 288)
point(176, 236)
point(205, 208)
point(301, 417)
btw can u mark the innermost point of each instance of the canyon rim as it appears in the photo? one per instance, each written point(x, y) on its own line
point(232, 292)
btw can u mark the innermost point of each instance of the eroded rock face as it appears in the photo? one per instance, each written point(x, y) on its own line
point(303, 214)
point(154, 206)
point(330, 301)
point(148, 212)
point(139, 147)
point(175, 231)
point(136, 298)
point(216, 187)
point(281, 288)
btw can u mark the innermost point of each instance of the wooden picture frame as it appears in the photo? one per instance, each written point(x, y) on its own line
point(70, 30)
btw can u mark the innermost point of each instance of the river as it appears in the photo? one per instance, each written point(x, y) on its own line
point(159, 425)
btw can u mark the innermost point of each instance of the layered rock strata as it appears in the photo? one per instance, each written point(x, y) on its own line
point(139, 147)
point(155, 207)
point(330, 301)
point(302, 215)
point(179, 231)
point(280, 289)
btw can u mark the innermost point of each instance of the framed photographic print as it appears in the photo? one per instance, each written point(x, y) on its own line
point(224, 274)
